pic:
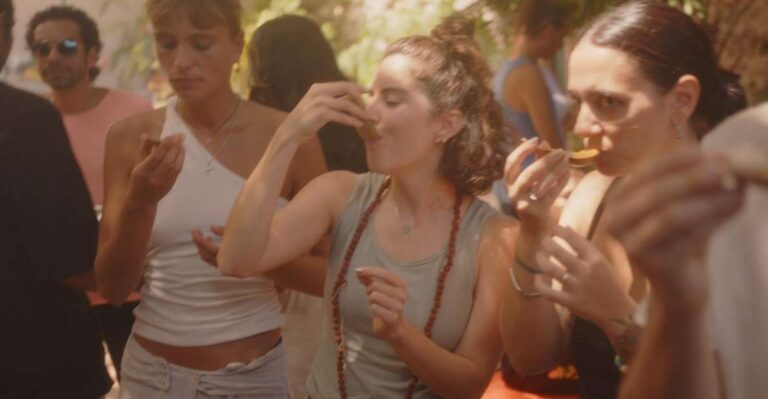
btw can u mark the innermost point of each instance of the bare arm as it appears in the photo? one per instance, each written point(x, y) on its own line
point(137, 175)
point(664, 217)
point(530, 86)
point(257, 239)
point(533, 329)
point(675, 358)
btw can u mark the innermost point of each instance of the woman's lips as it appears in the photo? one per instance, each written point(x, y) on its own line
point(185, 83)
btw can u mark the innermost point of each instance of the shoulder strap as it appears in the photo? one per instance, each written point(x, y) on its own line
point(601, 208)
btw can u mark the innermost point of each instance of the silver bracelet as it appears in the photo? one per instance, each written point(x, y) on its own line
point(519, 289)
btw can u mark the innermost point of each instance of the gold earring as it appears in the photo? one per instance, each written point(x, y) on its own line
point(236, 67)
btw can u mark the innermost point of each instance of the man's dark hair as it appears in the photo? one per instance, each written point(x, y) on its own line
point(89, 32)
point(6, 7)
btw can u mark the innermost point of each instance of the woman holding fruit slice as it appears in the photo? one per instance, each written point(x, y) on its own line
point(416, 267)
point(172, 174)
point(648, 82)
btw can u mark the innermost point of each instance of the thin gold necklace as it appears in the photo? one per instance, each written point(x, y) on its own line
point(212, 136)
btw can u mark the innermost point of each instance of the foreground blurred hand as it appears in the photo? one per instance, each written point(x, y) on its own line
point(664, 216)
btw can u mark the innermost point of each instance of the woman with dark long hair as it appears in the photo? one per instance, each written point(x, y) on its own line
point(648, 83)
point(288, 55)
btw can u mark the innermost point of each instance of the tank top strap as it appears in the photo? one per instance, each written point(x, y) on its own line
point(601, 208)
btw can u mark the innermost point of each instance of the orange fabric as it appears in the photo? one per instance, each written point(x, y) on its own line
point(499, 390)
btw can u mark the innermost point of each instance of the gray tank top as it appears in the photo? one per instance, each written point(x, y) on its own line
point(373, 370)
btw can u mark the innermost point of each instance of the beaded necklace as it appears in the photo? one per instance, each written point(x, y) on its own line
point(341, 281)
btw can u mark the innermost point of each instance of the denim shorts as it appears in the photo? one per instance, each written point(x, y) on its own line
point(146, 376)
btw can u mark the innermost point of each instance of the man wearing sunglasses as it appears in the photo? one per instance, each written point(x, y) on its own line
point(65, 43)
point(49, 343)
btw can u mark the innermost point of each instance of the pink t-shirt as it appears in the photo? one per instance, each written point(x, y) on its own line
point(88, 134)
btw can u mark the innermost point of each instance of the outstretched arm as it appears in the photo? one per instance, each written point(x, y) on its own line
point(257, 239)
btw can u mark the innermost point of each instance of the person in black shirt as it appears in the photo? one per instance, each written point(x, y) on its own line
point(49, 345)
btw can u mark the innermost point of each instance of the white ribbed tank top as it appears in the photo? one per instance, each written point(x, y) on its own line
point(186, 301)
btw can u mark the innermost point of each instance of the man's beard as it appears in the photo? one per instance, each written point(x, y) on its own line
point(60, 78)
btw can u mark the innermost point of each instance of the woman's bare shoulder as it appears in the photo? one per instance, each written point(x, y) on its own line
point(266, 119)
point(581, 206)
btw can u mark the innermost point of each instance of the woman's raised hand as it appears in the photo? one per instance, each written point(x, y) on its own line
point(589, 286)
point(324, 103)
point(664, 216)
point(533, 191)
point(208, 246)
point(159, 165)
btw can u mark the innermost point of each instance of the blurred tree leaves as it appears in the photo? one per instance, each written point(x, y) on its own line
point(359, 30)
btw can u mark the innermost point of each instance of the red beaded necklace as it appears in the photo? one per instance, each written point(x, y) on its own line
point(341, 281)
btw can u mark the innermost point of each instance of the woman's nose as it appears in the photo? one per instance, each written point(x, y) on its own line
point(587, 126)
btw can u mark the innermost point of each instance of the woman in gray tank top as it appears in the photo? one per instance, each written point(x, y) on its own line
point(416, 269)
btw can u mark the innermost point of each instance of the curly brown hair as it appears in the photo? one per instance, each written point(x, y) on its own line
point(454, 75)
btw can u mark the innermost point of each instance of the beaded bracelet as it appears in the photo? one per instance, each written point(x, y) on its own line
point(527, 267)
point(519, 289)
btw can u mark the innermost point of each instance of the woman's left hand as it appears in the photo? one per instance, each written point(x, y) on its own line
point(590, 287)
point(206, 246)
point(387, 294)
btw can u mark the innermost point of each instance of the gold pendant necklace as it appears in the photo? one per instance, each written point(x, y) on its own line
point(209, 140)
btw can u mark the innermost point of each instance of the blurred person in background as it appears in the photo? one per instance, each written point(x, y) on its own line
point(65, 44)
point(287, 56)
point(527, 89)
point(49, 341)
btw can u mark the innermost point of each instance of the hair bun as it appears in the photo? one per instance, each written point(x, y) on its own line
point(454, 27)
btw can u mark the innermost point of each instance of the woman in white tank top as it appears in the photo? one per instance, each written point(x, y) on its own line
point(417, 263)
point(178, 170)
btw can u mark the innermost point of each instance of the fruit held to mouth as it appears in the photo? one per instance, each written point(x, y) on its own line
point(367, 131)
point(583, 158)
point(578, 159)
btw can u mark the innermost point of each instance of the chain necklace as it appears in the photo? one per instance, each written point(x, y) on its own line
point(212, 136)
point(341, 281)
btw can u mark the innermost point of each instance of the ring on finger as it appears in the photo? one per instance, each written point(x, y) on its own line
point(565, 277)
point(533, 197)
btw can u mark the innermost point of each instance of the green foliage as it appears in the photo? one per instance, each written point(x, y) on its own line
point(359, 30)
